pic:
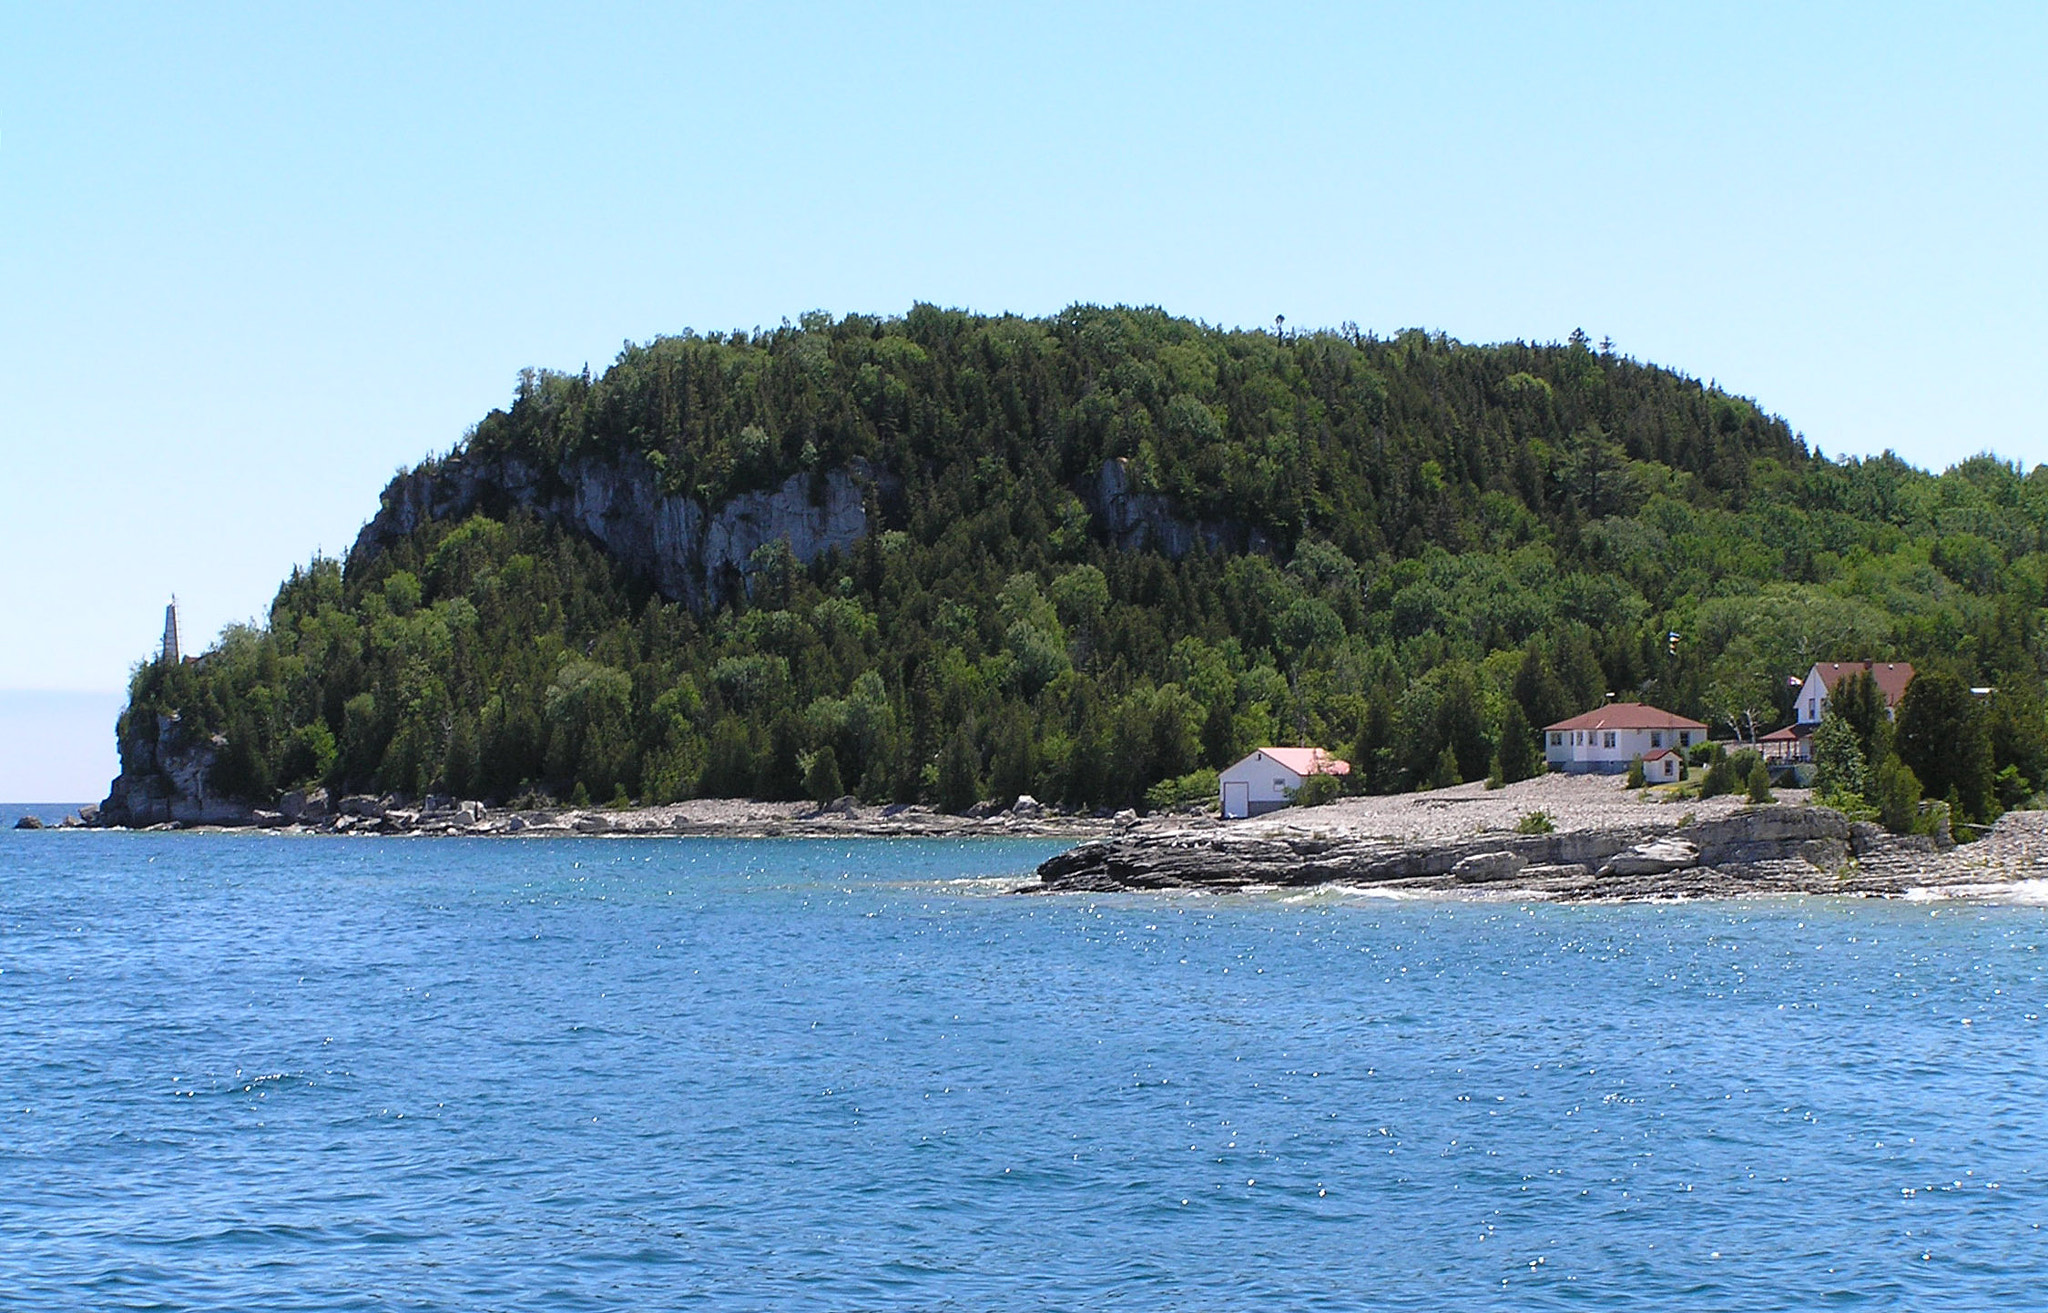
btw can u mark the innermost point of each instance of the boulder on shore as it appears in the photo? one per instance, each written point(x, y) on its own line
point(29, 823)
point(307, 806)
point(1653, 858)
point(1482, 867)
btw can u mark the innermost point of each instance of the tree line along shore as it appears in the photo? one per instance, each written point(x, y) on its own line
point(943, 558)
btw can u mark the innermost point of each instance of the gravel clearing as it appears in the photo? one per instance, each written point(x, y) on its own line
point(1573, 802)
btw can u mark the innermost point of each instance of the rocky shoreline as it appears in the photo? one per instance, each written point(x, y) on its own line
point(314, 813)
point(1595, 841)
point(1786, 848)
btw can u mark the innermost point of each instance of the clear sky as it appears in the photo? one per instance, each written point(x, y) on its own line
point(254, 258)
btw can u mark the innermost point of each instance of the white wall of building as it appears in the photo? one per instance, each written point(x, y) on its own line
point(1813, 699)
point(1257, 784)
point(1583, 751)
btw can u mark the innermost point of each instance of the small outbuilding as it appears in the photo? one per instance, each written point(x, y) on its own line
point(1607, 739)
point(1265, 780)
point(1662, 765)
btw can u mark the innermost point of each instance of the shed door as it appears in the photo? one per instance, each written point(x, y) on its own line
point(1237, 798)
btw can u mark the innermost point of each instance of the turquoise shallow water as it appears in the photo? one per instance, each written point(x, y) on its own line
point(273, 1073)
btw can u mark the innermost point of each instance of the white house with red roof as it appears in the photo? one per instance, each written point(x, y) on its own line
point(1794, 743)
point(1606, 739)
point(1266, 780)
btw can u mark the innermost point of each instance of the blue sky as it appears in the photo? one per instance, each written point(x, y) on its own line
point(254, 258)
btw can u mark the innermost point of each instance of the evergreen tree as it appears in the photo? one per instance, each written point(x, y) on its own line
point(1759, 781)
point(1520, 757)
point(1942, 736)
point(1840, 775)
point(1859, 702)
point(1898, 794)
point(959, 773)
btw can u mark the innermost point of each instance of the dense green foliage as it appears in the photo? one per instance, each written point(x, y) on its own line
point(1428, 550)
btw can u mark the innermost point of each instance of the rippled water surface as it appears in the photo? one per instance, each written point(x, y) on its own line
point(276, 1073)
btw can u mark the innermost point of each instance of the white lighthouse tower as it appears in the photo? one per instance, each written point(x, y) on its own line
point(171, 631)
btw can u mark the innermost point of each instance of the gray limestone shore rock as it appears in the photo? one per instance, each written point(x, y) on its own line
point(1481, 868)
point(1764, 849)
point(1653, 858)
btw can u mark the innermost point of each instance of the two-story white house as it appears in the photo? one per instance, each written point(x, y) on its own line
point(1607, 739)
point(1794, 743)
point(1266, 780)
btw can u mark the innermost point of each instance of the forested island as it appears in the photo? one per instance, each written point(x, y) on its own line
point(1092, 558)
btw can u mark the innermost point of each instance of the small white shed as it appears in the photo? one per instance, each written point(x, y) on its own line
point(1262, 781)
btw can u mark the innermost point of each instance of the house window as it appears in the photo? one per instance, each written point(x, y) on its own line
point(1557, 740)
point(1656, 739)
point(1279, 783)
point(1607, 739)
point(1812, 709)
point(1685, 738)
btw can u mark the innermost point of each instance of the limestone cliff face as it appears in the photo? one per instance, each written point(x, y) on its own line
point(167, 779)
point(693, 554)
point(1139, 520)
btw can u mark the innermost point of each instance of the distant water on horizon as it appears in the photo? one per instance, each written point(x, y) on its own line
point(274, 1072)
point(48, 812)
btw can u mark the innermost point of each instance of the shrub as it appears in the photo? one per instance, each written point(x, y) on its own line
point(1536, 822)
point(310, 755)
point(1898, 796)
point(1729, 773)
point(821, 776)
point(1759, 782)
point(1635, 773)
point(1186, 790)
point(1317, 790)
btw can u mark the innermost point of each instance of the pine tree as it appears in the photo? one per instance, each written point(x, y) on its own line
point(1520, 757)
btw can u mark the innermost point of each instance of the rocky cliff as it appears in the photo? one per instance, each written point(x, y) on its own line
point(694, 554)
point(166, 780)
point(699, 556)
point(1135, 520)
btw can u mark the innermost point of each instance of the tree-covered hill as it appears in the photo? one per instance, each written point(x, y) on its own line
point(1095, 553)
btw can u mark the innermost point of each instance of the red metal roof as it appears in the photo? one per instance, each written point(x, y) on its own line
point(1627, 715)
point(1789, 734)
point(1891, 677)
point(1308, 761)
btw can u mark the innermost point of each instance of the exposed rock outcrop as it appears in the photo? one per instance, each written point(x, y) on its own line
point(167, 780)
point(1765, 849)
point(691, 553)
point(1481, 868)
point(1135, 520)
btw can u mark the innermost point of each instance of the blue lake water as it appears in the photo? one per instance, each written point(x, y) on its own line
point(292, 1073)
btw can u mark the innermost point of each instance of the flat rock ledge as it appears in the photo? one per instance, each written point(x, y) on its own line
point(1768, 849)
